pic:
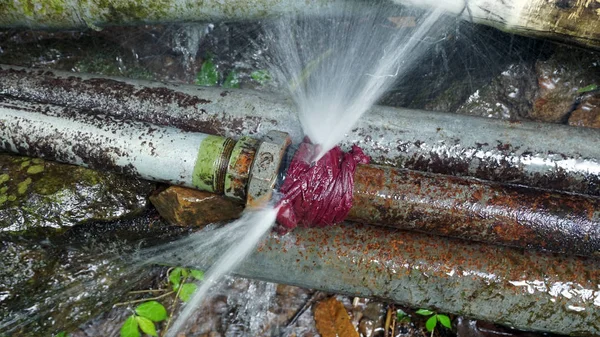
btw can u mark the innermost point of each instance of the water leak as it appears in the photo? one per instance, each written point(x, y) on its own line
point(338, 64)
point(221, 247)
point(335, 66)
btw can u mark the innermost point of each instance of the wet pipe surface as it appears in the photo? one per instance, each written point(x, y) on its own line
point(521, 288)
point(515, 287)
point(475, 210)
point(533, 154)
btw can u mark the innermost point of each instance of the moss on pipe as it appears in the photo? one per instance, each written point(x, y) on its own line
point(68, 14)
point(569, 22)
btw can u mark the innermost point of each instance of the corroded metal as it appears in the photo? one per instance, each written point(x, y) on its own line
point(520, 288)
point(238, 171)
point(211, 164)
point(265, 168)
point(444, 205)
point(475, 210)
point(517, 287)
point(542, 155)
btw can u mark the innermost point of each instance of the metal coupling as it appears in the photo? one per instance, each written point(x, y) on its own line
point(238, 170)
point(211, 164)
point(245, 170)
point(265, 167)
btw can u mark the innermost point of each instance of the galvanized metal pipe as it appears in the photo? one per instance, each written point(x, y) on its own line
point(140, 149)
point(520, 288)
point(159, 153)
point(541, 155)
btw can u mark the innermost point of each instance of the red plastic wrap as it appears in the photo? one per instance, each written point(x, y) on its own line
point(318, 194)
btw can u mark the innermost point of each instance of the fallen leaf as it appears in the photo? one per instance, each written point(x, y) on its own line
point(333, 320)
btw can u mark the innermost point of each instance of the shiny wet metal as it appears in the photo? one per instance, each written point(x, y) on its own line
point(541, 155)
point(477, 210)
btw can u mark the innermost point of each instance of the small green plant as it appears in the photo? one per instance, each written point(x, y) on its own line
point(178, 278)
point(62, 334)
point(402, 317)
point(232, 80)
point(144, 319)
point(588, 88)
point(260, 76)
point(432, 322)
point(208, 75)
point(150, 311)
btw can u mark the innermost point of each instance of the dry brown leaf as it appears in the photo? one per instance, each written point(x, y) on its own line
point(333, 320)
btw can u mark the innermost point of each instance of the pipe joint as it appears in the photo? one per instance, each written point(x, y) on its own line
point(265, 167)
point(245, 170)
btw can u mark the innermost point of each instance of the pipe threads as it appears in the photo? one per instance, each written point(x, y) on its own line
point(222, 164)
point(238, 170)
point(211, 164)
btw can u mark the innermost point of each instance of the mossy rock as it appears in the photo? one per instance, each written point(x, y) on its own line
point(53, 281)
point(35, 193)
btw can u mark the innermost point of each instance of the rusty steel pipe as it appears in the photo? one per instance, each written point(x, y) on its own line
point(541, 155)
point(476, 210)
point(519, 288)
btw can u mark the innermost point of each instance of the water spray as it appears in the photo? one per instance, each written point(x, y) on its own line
point(247, 169)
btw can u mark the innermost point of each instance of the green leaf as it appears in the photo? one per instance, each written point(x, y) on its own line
point(588, 88)
point(187, 289)
point(152, 310)
point(260, 76)
point(232, 80)
point(197, 274)
point(61, 334)
point(146, 325)
point(401, 315)
point(424, 312)
point(175, 277)
point(445, 320)
point(130, 328)
point(184, 272)
point(431, 323)
point(208, 75)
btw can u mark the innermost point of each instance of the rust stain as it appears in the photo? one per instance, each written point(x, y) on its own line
point(475, 210)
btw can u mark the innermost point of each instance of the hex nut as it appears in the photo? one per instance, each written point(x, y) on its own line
point(265, 167)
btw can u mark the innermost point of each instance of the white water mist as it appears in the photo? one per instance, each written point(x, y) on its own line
point(223, 248)
point(338, 64)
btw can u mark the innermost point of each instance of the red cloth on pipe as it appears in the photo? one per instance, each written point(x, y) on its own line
point(320, 194)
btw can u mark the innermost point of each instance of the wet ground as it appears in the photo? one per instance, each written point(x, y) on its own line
point(474, 70)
